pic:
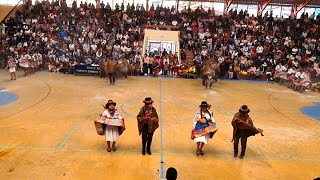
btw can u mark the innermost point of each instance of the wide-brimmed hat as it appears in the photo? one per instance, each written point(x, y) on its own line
point(244, 109)
point(204, 104)
point(148, 100)
point(110, 102)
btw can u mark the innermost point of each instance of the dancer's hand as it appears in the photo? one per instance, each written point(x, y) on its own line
point(202, 120)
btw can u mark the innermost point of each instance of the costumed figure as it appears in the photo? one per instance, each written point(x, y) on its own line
point(148, 122)
point(204, 127)
point(24, 63)
point(242, 129)
point(123, 67)
point(209, 73)
point(110, 68)
point(111, 123)
point(12, 65)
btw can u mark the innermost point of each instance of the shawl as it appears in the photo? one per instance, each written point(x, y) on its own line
point(244, 123)
point(112, 120)
point(142, 119)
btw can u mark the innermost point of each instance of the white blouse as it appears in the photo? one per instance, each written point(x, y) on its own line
point(206, 115)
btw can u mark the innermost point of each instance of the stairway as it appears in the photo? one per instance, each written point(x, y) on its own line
point(189, 56)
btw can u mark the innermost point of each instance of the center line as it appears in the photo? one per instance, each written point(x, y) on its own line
point(161, 139)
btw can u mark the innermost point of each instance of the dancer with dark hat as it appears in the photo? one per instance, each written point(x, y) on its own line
point(204, 127)
point(114, 124)
point(148, 122)
point(242, 129)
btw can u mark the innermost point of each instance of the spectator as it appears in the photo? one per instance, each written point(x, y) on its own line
point(171, 174)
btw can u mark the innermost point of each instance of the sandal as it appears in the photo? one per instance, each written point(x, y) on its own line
point(198, 152)
point(109, 149)
point(114, 148)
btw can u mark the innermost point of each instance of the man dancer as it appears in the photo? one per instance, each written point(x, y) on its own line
point(148, 122)
point(242, 129)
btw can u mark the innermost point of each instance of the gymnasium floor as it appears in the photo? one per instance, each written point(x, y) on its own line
point(48, 132)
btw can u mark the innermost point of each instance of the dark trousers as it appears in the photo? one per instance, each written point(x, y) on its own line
point(243, 143)
point(198, 68)
point(146, 138)
point(145, 68)
point(150, 68)
point(112, 77)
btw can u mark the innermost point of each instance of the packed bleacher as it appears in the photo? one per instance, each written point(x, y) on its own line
point(58, 37)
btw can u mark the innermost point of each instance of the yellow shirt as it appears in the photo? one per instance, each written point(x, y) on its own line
point(192, 69)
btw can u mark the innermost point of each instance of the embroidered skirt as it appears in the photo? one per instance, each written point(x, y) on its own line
point(202, 135)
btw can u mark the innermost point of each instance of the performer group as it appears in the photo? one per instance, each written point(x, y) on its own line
point(111, 125)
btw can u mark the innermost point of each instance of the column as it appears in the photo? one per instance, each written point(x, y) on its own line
point(297, 6)
point(262, 4)
point(227, 4)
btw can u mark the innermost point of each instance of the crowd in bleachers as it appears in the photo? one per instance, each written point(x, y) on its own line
point(58, 37)
point(263, 46)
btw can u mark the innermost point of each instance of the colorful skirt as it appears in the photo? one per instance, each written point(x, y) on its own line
point(210, 130)
point(102, 123)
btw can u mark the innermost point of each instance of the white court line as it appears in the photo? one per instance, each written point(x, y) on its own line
point(4, 90)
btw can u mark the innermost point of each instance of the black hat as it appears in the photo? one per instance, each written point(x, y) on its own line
point(110, 102)
point(204, 104)
point(148, 100)
point(244, 109)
